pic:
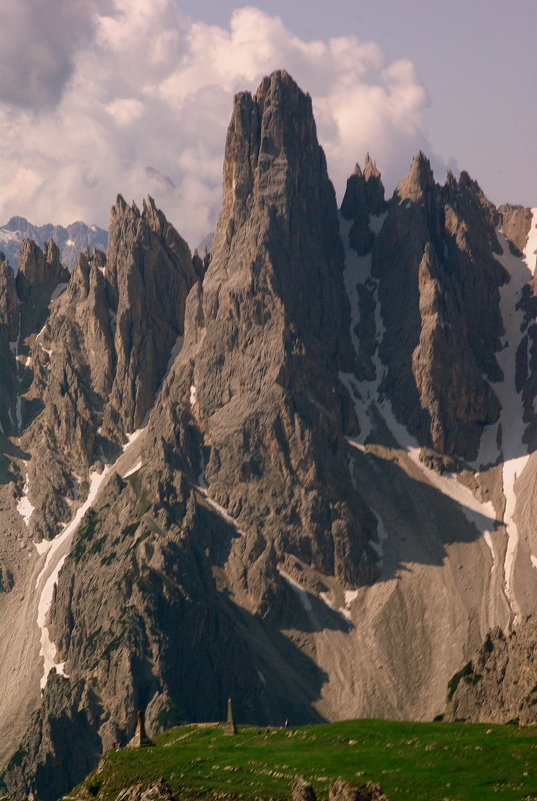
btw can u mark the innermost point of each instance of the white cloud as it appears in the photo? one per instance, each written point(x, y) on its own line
point(142, 86)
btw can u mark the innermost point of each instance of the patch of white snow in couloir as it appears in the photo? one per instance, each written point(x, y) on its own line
point(24, 507)
point(56, 551)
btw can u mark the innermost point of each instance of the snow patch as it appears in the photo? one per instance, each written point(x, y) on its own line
point(134, 469)
point(24, 507)
point(382, 533)
point(175, 351)
point(534, 560)
point(302, 594)
point(350, 596)
point(376, 221)
point(133, 437)
point(220, 509)
point(58, 544)
point(58, 291)
point(193, 395)
point(201, 479)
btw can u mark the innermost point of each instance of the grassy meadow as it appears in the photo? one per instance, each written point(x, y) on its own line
point(411, 761)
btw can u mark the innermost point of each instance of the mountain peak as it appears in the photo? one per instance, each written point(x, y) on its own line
point(271, 140)
point(417, 181)
point(364, 195)
point(370, 168)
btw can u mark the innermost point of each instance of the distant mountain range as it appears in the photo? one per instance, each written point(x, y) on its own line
point(70, 240)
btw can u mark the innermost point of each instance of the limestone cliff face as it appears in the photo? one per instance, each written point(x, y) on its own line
point(239, 513)
point(516, 223)
point(499, 684)
point(268, 332)
point(439, 293)
point(364, 199)
point(520, 226)
point(243, 466)
point(99, 359)
point(9, 331)
point(149, 272)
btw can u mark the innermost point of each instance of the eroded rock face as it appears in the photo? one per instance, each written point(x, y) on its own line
point(40, 273)
point(516, 223)
point(229, 545)
point(58, 720)
point(149, 272)
point(364, 198)
point(439, 293)
point(99, 359)
point(267, 334)
point(9, 331)
point(498, 685)
point(252, 407)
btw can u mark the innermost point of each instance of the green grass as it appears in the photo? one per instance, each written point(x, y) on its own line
point(411, 761)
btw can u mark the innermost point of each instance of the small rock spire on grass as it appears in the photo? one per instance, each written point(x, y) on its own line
point(230, 724)
point(140, 739)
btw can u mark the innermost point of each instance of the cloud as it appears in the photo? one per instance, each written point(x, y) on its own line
point(139, 99)
point(38, 43)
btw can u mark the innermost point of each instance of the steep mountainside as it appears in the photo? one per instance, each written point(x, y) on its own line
point(299, 473)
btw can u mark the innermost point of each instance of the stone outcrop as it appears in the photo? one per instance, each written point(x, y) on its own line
point(364, 199)
point(302, 790)
point(149, 272)
point(342, 790)
point(499, 684)
point(160, 791)
point(40, 273)
point(516, 223)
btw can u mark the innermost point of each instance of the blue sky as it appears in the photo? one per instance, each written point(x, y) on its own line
point(134, 96)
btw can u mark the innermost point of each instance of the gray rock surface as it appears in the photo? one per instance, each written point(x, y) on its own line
point(302, 790)
point(213, 441)
point(9, 331)
point(342, 790)
point(439, 294)
point(499, 684)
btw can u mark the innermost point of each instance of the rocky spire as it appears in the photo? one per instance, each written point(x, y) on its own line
point(269, 331)
point(440, 306)
point(418, 181)
point(231, 728)
point(9, 332)
point(364, 197)
point(40, 272)
point(140, 738)
point(149, 272)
